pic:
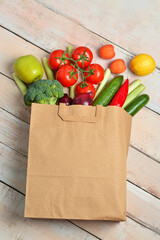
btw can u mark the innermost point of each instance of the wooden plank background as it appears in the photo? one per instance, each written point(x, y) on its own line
point(38, 27)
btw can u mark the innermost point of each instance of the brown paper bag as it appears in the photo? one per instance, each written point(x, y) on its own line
point(77, 162)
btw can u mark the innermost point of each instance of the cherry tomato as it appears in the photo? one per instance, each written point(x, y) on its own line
point(89, 88)
point(84, 54)
point(97, 73)
point(117, 66)
point(107, 51)
point(54, 62)
point(67, 75)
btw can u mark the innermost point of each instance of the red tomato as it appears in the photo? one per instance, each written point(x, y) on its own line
point(89, 88)
point(84, 54)
point(67, 75)
point(97, 74)
point(107, 51)
point(54, 62)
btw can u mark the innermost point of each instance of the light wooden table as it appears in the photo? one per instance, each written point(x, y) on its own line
point(38, 27)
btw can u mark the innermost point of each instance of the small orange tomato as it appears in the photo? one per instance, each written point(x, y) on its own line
point(117, 66)
point(107, 51)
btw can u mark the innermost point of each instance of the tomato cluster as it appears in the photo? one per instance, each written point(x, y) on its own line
point(67, 69)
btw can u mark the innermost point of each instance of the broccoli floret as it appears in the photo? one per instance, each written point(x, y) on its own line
point(44, 92)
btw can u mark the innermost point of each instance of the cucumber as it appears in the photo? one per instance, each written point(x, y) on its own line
point(134, 85)
point(21, 85)
point(133, 95)
point(103, 83)
point(137, 104)
point(108, 92)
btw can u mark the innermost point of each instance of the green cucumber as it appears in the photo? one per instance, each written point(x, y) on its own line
point(137, 104)
point(108, 92)
point(133, 95)
point(21, 85)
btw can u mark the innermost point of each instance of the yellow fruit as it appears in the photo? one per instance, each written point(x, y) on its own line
point(142, 64)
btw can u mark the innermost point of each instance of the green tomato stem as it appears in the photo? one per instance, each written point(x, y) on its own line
point(103, 83)
point(47, 68)
point(21, 85)
point(82, 57)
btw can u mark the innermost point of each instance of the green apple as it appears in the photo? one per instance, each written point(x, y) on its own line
point(28, 68)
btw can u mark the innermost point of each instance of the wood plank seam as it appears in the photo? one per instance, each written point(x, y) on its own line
point(105, 230)
point(6, 76)
point(7, 29)
point(151, 157)
point(148, 194)
point(152, 110)
point(132, 214)
point(71, 19)
point(12, 187)
point(83, 229)
point(153, 104)
point(49, 52)
point(29, 125)
point(146, 225)
point(65, 220)
point(143, 225)
point(128, 216)
point(14, 149)
point(143, 189)
point(14, 115)
point(154, 159)
point(55, 9)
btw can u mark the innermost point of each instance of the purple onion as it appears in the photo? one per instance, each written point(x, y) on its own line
point(66, 99)
point(83, 99)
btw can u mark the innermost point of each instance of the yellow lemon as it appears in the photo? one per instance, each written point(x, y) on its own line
point(142, 64)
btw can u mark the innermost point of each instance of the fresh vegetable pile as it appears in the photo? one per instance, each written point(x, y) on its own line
point(72, 65)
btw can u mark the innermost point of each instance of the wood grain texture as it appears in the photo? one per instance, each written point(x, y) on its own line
point(67, 28)
point(14, 226)
point(16, 127)
point(13, 168)
point(11, 99)
point(145, 136)
point(145, 133)
point(142, 170)
point(143, 207)
point(14, 132)
point(19, 19)
point(128, 230)
point(12, 47)
point(133, 25)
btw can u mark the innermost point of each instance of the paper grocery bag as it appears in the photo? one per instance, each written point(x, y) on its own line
point(77, 162)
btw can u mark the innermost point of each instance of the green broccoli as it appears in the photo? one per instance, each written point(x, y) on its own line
point(44, 92)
